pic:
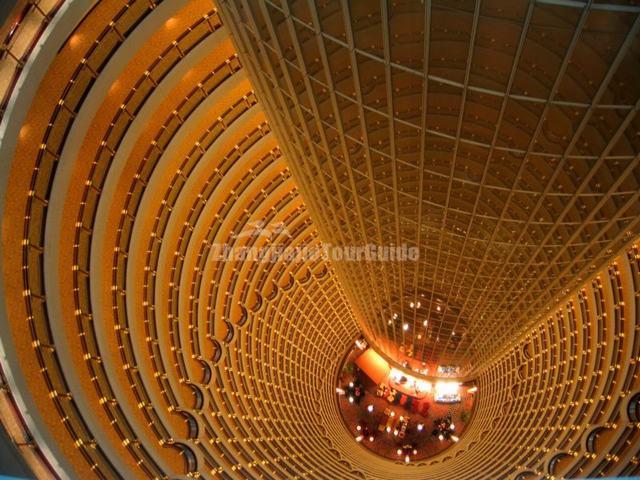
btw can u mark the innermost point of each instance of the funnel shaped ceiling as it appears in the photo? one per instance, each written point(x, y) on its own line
point(498, 138)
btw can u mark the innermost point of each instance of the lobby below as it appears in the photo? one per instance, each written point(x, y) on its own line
point(399, 413)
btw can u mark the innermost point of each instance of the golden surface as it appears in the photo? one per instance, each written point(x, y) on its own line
point(154, 359)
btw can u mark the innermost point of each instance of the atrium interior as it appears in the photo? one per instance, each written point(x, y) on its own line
point(320, 239)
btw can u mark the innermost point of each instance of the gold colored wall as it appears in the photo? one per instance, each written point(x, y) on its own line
point(131, 144)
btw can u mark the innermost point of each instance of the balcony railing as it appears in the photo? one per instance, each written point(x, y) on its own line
point(24, 32)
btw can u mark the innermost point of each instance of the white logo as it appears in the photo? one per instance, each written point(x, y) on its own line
point(259, 228)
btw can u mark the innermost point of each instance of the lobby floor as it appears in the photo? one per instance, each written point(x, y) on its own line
point(385, 443)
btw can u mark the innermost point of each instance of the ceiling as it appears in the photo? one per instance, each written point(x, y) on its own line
point(499, 138)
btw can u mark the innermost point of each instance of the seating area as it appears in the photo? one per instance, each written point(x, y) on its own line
point(413, 404)
point(391, 422)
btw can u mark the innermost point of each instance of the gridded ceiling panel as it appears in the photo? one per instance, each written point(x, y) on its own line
point(499, 138)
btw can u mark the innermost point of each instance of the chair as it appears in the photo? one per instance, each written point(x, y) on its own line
point(409, 403)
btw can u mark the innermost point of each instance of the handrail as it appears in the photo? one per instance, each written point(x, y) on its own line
point(28, 25)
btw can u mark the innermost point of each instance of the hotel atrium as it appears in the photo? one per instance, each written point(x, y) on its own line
point(320, 239)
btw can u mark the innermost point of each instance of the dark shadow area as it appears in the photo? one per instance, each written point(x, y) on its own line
point(5, 9)
point(11, 462)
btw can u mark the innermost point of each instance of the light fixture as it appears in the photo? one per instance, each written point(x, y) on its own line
point(454, 438)
point(412, 304)
point(350, 399)
point(351, 384)
point(473, 389)
point(420, 427)
point(405, 327)
point(406, 459)
point(359, 438)
point(399, 451)
point(418, 305)
point(452, 427)
point(358, 428)
point(425, 323)
point(415, 452)
point(371, 438)
point(440, 437)
point(339, 391)
point(447, 388)
point(370, 408)
point(395, 433)
point(388, 429)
